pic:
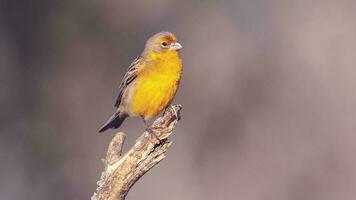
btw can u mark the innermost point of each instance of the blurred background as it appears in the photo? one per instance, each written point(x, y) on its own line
point(268, 95)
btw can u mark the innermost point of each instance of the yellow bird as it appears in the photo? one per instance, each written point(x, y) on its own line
point(151, 81)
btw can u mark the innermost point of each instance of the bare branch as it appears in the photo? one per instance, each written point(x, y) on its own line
point(121, 172)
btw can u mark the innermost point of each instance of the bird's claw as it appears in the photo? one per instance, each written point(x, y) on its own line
point(149, 130)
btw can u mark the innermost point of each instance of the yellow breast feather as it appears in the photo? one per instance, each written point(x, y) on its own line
point(156, 85)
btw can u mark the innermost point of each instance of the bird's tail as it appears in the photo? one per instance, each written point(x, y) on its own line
point(115, 121)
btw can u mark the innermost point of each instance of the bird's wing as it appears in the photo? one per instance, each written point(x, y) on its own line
point(130, 75)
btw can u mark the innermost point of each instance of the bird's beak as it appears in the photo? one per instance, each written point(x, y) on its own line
point(175, 46)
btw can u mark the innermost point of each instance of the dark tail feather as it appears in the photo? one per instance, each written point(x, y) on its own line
point(115, 121)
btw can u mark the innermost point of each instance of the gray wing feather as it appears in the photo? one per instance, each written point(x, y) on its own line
point(130, 75)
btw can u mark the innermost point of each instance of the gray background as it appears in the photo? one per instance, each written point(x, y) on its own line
point(268, 95)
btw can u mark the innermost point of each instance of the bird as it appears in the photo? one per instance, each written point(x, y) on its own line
point(150, 83)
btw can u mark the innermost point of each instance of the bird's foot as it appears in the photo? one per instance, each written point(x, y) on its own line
point(176, 114)
point(152, 132)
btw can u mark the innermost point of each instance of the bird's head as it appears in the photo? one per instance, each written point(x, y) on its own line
point(162, 42)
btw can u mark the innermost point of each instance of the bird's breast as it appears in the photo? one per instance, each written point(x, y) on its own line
point(155, 87)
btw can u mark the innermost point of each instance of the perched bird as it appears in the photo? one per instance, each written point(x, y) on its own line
point(151, 81)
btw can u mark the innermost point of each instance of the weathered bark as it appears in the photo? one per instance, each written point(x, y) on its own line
point(121, 172)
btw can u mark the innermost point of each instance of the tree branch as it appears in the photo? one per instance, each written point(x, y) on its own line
point(121, 172)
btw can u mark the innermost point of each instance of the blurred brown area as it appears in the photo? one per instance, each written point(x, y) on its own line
point(268, 95)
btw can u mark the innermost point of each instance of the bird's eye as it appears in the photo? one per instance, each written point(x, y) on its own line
point(164, 44)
